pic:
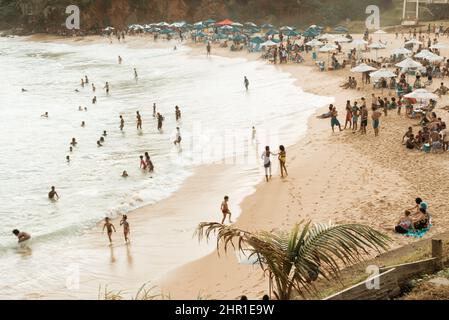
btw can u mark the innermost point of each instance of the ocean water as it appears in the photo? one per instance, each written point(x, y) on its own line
point(217, 117)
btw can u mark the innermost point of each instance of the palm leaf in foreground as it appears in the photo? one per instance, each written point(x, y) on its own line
point(297, 258)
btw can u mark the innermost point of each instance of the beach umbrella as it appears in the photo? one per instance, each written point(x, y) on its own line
point(163, 24)
point(237, 24)
point(310, 33)
point(380, 32)
point(238, 37)
point(209, 21)
point(341, 39)
point(400, 51)
point(108, 29)
point(421, 94)
point(359, 42)
point(268, 43)
point(272, 32)
point(251, 30)
point(178, 24)
point(200, 35)
point(414, 42)
point(166, 31)
point(382, 73)
point(328, 47)
point(257, 40)
point(326, 36)
point(199, 23)
point(314, 43)
point(199, 27)
point(363, 67)
point(290, 33)
point(267, 26)
point(251, 24)
point(287, 28)
point(409, 63)
point(426, 54)
point(377, 46)
point(439, 46)
point(341, 29)
point(225, 22)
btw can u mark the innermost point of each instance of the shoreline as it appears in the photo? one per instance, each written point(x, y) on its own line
point(348, 166)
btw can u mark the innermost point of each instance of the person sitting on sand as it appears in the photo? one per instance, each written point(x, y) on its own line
point(347, 84)
point(405, 223)
point(419, 204)
point(421, 219)
point(53, 195)
point(126, 230)
point(408, 134)
point(22, 236)
point(109, 226)
point(442, 90)
point(225, 210)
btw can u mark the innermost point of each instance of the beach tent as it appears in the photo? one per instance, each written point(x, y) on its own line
point(422, 94)
point(225, 22)
point(363, 67)
point(400, 51)
point(377, 46)
point(163, 24)
point(340, 29)
point(178, 24)
point(311, 33)
point(287, 28)
point(268, 43)
point(408, 64)
point(382, 73)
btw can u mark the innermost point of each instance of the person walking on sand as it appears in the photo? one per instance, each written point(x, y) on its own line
point(376, 120)
point(267, 162)
point(122, 123)
point(246, 83)
point(139, 120)
point(282, 156)
point(109, 227)
point(126, 231)
point(225, 210)
point(334, 120)
point(22, 236)
point(53, 195)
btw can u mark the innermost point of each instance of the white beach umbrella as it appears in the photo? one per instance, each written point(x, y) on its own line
point(382, 73)
point(359, 42)
point(326, 36)
point(422, 94)
point(268, 43)
point(328, 47)
point(426, 54)
point(251, 24)
point(341, 39)
point(440, 46)
point(380, 31)
point(363, 67)
point(237, 24)
point(409, 63)
point(199, 23)
point(163, 24)
point(399, 51)
point(314, 43)
point(377, 45)
point(414, 41)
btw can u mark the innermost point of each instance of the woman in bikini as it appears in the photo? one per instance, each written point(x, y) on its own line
point(282, 160)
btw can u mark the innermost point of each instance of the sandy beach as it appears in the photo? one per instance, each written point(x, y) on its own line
point(339, 177)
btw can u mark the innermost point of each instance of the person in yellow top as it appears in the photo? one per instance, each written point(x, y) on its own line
point(282, 156)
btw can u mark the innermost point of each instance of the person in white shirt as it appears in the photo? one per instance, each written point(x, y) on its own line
point(267, 162)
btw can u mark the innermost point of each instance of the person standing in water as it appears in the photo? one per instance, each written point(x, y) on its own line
point(86, 79)
point(106, 87)
point(143, 164)
point(282, 160)
point(154, 110)
point(82, 82)
point(22, 236)
point(177, 113)
point(139, 121)
point(53, 195)
point(178, 138)
point(160, 119)
point(135, 74)
point(109, 226)
point(94, 88)
point(126, 230)
point(122, 123)
point(73, 143)
point(208, 48)
point(94, 100)
point(120, 60)
point(225, 210)
point(246, 82)
point(267, 162)
point(148, 162)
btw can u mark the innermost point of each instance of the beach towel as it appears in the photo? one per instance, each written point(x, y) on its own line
point(419, 233)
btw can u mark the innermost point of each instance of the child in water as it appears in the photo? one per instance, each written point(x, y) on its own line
point(126, 230)
point(109, 226)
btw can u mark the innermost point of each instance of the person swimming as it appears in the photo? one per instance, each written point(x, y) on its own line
point(53, 195)
point(73, 143)
point(102, 139)
point(45, 115)
point(22, 236)
point(67, 158)
point(71, 149)
point(99, 143)
point(105, 134)
point(80, 108)
point(24, 90)
point(83, 124)
point(125, 174)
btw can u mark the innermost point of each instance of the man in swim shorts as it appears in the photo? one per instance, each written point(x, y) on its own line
point(225, 210)
point(22, 236)
point(376, 122)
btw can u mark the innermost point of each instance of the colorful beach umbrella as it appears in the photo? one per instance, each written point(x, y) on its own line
point(226, 22)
